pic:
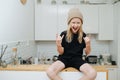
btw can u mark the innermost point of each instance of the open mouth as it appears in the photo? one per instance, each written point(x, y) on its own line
point(74, 29)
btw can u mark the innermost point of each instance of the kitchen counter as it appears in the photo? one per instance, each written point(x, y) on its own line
point(42, 67)
point(37, 72)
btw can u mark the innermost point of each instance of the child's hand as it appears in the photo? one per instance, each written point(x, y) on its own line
point(59, 39)
point(87, 40)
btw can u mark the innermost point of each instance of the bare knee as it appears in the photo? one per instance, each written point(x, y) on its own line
point(51, 73)
point(92, 74)
point(89, 71)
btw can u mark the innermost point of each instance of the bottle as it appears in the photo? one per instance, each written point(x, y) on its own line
point(19, 60)
point(15, 58)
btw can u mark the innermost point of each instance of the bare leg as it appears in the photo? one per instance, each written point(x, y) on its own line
point(88, 71)
point(54, 69)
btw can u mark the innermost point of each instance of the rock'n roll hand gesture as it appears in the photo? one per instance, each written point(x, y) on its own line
point(59, 40)
point(87, 40)
point(88, 47)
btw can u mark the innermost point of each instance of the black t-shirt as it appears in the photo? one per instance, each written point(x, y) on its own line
point(73, 48)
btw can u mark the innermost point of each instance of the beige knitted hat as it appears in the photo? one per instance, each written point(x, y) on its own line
point(74, 12)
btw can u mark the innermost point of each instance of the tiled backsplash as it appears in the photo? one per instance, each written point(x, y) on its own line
point(25, 49)
point(49, 48)
point(40, 49)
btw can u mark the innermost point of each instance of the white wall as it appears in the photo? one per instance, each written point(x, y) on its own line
point(118, 39)
point(114, 44)
point(119, 32)
point(16, 20)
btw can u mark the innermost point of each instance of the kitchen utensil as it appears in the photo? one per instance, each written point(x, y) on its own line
point(92, 59)
point(106, 59)
point(55, 58)
point(113, 62)
point(35, 60)
point(4, 64)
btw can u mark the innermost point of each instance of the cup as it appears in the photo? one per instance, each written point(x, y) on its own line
point(36, 60)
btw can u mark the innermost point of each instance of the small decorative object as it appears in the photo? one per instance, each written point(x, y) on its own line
point(15, 58)
point(84, 1)
point(53, 2)
point(0, 62)
point(64, 2)
point(55, 57)
point(4, 64)
point(38, 1)
point(23, 1)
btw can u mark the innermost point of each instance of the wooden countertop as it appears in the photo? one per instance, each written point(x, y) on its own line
point(42, 67)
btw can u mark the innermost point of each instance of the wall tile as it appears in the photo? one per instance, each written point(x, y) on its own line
point(25, 49)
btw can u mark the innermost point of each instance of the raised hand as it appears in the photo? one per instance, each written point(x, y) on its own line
point(87, 39)
point(88, 46)
point(59, 39)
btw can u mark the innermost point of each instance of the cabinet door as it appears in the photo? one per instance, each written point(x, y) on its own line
point(23, 75)
point(90, 18)
point(112, 74)
point(118, 74)
point(105, 22)
point(101, 76)
point(41, 75)
point(90, 14)
point(45, 22)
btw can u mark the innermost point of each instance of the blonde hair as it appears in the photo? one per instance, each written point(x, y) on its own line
point(69, 34)
point(74, 12)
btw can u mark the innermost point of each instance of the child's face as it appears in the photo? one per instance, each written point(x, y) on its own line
point(75, 24)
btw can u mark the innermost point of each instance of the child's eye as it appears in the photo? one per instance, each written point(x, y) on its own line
point(78, 22)
point(73, 22)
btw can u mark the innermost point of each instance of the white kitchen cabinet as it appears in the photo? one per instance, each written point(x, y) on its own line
point(41, 75)
point(52, 19)
point(118, 74)
point(62, 17)
point(119, 40)
point(90, 17)
point(112, 73)
point(45, 21)
point(105, 22)
point(118, 36)
point(90, 14)
point(115, 45)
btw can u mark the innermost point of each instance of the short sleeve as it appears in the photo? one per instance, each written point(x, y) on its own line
point(63, 40)
point(84, 35)
point(63, 33)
